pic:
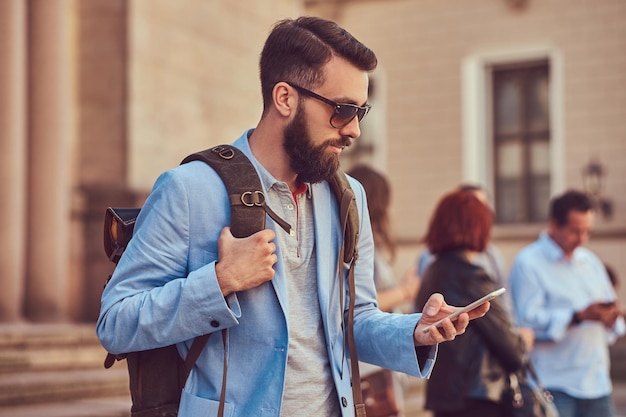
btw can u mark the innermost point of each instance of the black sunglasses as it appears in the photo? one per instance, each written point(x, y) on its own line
point(344, 112)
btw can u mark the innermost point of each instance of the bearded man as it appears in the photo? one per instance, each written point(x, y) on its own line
point(184, 274)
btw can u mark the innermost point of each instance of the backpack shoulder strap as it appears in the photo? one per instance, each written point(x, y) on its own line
point(245, 192)
point(242, 184)
point(347, 205)
point(349, 216)
point(247, 216)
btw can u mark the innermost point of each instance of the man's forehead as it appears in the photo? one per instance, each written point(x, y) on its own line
point(344, 79)
point(579, 219)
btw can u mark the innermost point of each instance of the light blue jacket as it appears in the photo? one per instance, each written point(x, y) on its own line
point(164, 291)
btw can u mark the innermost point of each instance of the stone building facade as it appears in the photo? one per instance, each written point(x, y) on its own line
point(97, 97)
point(438, 65)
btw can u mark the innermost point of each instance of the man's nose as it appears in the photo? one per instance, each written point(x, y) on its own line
point(352, 129)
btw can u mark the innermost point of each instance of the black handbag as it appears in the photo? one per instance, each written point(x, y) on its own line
point(523, 399)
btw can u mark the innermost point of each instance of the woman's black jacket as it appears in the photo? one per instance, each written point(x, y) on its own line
point(476, 364)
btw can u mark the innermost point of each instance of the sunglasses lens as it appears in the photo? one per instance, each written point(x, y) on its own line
point(344, 113)
point(362, 112)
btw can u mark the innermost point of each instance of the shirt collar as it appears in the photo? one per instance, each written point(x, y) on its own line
point(302, 188)
point(552, 250)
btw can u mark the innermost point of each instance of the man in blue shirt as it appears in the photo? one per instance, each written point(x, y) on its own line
point(562, 291)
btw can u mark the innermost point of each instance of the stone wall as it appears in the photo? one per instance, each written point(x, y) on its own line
point(422, 48)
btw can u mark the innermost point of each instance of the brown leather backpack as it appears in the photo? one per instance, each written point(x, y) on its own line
point(157, 376)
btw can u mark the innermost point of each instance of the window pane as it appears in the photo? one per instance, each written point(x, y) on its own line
point(540, 158)
point(508, 202)
point(521, 141)
point(540, 198)
point(538, 100)
point(507, 102)
point(509, 159)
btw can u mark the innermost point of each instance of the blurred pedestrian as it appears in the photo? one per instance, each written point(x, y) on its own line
point(471, 372)
point(391, 294)
point(562, 291)
point(491, 259)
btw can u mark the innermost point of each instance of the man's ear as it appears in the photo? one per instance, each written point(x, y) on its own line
point(284, 99)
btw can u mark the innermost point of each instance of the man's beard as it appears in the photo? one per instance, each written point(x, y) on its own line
point(312, 163)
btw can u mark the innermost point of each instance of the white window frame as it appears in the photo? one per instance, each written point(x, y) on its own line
point(477, 113)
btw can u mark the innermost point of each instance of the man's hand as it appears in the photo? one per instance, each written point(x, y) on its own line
point(245, 263)
point(436, 309)
point(607, 313)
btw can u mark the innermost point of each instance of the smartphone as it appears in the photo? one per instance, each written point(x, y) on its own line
point(467, 308)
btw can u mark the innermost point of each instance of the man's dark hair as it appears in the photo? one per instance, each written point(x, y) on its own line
point(297, 50)
point(560, 206)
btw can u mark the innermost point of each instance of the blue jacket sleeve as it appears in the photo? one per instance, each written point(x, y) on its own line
point(161, 293)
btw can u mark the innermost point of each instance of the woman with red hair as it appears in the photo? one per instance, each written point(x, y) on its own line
point(471, 371)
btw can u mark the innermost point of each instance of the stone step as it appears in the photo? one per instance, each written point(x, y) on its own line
point(19, 334)
point(54, 386)
point(49, 347)
point(53, 363)
point(98, 407)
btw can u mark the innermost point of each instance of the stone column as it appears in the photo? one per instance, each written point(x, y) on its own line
point(12, 157)
point(102, 158)
point(51, 129)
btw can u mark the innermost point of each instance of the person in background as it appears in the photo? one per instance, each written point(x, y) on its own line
point(491, 260)
point(471, 373)
point(390, 294)
point(562, 291)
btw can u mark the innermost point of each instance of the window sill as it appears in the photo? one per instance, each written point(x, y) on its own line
point(526, 231)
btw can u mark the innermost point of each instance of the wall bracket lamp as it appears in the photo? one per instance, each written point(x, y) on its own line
point(594, 174)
